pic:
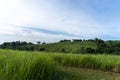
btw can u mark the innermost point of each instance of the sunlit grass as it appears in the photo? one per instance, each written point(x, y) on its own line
point(23, 65)
point(100, 62)
point(16, 65)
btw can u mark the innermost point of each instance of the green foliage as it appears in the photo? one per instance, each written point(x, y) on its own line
point(42, 49)
point(90, 50)
point(65, 40)
point(100, 62)
point(68, 46)
point(91, 46)
point(77, 40)
point(16, 65)
point(23, 65)
point(86, 74)
point(63, 50)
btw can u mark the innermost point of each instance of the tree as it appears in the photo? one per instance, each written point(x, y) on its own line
point(63, 50)
point(38, 42)
point(101, 47)
point(90, 50)
point(32, 48)
point(65, 40)
point(98, 41)
point(82, 50)
point(42, 49)
point(44, 43)
point(77, 40)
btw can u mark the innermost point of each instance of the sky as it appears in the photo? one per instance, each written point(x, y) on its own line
point(54, 20)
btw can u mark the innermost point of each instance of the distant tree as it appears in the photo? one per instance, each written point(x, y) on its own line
point(32, 48)
point(38, 42)
point(82, 50)
point(65, 40)
point(116, 50)
point(30, 43)
point(90, 50)
point(77, 40)
point(101, 47)
point(90, 40)
point(24, 43)
point(98, 40)
point(63, 50)
point(84, 40)
point(109, 50)
point(44, 43)
point(42, 49)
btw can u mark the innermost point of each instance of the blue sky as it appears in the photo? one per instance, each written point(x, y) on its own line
point(53, 20)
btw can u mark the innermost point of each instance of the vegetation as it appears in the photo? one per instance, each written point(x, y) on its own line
point(91, 46)
point(86, 74)
point(30, 64)
point(23, 65)
point(15, 65)
point(97, 62)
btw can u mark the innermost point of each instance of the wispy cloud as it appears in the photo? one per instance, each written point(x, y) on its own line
point(47, 31)
point(58, 19)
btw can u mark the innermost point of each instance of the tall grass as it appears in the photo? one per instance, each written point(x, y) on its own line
point(21, 65)
point(100, 62)
point(26, 66)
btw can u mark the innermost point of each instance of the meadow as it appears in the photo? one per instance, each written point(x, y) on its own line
point(24, 65)
point(15, 65)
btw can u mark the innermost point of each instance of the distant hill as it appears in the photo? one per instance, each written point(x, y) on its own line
point(72, 47)
point(91, 46)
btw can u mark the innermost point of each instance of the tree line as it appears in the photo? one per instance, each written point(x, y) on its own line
point(102, 47)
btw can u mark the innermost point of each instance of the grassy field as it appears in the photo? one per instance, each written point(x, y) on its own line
point(87, 74)
point(98, 62)
point(15, 65)
point(73, 47)
point(23, 65)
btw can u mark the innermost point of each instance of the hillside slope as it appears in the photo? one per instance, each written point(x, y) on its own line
point(73, 47)
point(91, 46)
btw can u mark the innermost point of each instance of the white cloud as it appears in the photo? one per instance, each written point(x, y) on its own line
point(32, 36)
point(49, 15)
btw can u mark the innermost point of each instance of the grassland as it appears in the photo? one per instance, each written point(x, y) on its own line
point(16, 65)
point(98, 62)
point(23, 65)
point(87, 74)
point(72, 47)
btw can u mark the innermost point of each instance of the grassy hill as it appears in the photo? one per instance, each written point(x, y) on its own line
point(72, 47)
point(91, 46)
